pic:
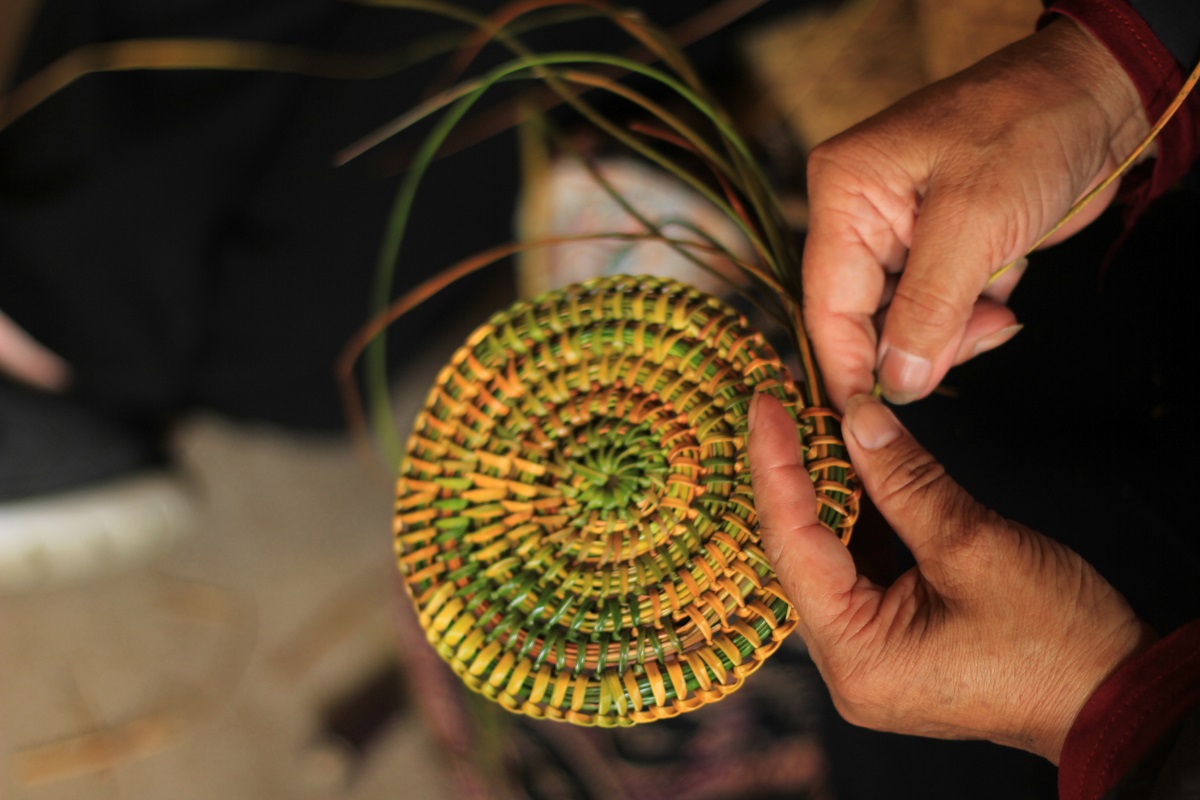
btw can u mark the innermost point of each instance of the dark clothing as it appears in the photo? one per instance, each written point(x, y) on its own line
point(1136, 737)
point(1158, 77)
point(1176, 23)
point(1085, 427)
point(1129, 736)
point(183, 240)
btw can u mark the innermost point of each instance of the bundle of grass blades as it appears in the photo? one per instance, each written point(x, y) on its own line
point(575, 520)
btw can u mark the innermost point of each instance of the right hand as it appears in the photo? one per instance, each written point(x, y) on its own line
point(913, 210)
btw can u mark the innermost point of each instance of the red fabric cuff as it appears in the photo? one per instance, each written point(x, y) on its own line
point(1158, 78)
point(1130, 711)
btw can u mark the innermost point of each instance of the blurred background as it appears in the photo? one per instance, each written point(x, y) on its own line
point(199, 592)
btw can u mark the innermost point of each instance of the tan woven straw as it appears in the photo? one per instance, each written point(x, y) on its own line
point(575, 520)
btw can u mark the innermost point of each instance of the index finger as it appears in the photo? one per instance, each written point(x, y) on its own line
point(851, 245)
point(815, 569)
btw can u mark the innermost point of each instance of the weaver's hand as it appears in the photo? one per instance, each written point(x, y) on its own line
point(998, 633)
point(913, 210)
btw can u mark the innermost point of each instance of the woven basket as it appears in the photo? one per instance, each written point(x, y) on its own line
point(574, 518)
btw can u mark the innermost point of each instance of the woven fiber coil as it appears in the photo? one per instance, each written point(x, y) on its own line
point(575, 520)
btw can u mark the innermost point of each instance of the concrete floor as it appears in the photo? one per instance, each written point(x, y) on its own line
point(213, 671)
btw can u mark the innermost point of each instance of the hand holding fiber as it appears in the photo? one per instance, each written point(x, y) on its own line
point(915, 211)
point(997, 633)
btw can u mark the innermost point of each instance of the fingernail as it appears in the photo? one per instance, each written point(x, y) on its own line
point(750, 414)
point(994, 340)
point(903, 375)
point(872, 424)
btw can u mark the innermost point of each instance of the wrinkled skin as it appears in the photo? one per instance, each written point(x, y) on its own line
point(999, 632)
point(915, 209)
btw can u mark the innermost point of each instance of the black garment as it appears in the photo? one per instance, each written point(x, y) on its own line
point(1176, 23)
point(182, 238)
point(1171, 771)
point(1084, 428)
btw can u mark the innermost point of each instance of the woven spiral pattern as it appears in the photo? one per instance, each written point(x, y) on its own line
point(574, 516)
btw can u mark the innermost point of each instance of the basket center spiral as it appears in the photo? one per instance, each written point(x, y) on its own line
point(574, 517)
point(614, 467)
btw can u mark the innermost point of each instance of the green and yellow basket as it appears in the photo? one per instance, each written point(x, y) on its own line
point(575, 520)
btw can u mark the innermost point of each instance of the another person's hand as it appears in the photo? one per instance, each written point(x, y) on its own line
point(28, 361)
point(915, 209)
point(998, 633)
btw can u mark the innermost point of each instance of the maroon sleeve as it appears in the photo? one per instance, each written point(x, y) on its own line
point(1139, 704)
point(1158, 78)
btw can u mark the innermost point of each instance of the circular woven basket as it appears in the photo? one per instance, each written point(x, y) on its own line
point(574, 518)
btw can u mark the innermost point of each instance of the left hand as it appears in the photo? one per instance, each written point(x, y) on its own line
point(28, 361)
point(998, 633)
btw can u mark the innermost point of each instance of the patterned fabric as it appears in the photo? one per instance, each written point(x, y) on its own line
point(757, 744)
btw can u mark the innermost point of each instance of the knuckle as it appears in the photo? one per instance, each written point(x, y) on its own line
point(781, 481)
point(823, 155)
point(911, 474)
point(834, 160)
point(821, 160)
point(964, 520)
point(927, 312)
point(971, 545)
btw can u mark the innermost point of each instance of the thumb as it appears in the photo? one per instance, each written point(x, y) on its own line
point(935, 300)
point(924, 506)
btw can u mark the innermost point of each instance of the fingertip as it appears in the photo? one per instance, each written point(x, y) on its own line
point(846, 354)
point(839, 316)
point(986, 343)
point(840, 389)
point(774, 439)
point(783, 492)
point(752, 413)
point(904, 376)
point(908, 486)
point(991, 324)
point(870, 422)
